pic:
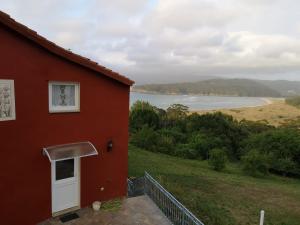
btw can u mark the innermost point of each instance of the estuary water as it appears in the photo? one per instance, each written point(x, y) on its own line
point(195, 102)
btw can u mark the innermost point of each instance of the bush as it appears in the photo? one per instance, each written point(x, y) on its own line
point(217, 159)
point(145, 138)
point(285, 166)
point(165, 144)
point(185, 151)
point(255, 163)
point(282, 148)
point(203, 143)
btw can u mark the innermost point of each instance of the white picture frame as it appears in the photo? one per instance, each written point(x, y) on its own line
point(64, 97)
point(7, 100)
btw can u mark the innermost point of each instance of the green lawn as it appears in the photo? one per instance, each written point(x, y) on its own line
point(221, 198)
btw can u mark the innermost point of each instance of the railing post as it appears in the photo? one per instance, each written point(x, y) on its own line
point(145, 192)
point(262, 217)
point(183, 219)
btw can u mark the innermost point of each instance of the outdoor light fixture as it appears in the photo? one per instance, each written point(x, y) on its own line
point(109, 145)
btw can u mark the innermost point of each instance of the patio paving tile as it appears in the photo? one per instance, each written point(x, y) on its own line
point(134, 211)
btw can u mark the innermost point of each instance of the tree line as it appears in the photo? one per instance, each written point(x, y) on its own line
point(259, 147)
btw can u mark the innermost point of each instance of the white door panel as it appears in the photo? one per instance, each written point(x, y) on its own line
point(65, 184)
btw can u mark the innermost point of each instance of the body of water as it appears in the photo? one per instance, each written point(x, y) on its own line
point(195, 102)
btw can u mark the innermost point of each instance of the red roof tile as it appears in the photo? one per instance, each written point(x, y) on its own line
point(52, 47)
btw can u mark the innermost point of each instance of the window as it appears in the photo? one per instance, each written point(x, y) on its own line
point(7, 100)
point(64, 169)
point(64, 97)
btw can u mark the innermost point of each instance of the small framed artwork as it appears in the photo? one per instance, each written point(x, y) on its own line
point(7, 100)
point(64, 97)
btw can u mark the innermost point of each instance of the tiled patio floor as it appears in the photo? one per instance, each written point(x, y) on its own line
point(134, 211)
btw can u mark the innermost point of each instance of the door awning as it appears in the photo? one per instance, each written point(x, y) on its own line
point(68, 151)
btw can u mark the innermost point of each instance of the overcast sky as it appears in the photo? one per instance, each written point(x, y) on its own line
point(153, 41)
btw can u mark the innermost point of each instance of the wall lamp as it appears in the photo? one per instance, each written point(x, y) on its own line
point(109, 145)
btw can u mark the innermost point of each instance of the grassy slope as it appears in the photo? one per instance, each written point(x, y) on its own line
point(220, 198)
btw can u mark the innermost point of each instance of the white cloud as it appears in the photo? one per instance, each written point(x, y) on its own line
point(119, 58)
point(187, 15)
point(127, 7)
point(161, 40)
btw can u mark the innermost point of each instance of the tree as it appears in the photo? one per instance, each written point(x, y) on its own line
point(143, 114)
point(176, 116)
point(177, 111)
point(141, 105)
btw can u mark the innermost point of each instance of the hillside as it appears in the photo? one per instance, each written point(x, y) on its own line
point(222, 198)
point(284, 87)
point(230, 87)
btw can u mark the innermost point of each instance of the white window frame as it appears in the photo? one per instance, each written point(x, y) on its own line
point(63, 109)
point(13, 103)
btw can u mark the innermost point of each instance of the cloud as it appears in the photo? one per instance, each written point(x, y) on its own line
point(171, 40)
point(187, 15)
point(121, 6)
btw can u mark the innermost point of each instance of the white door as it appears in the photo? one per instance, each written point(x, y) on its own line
point(65, 184)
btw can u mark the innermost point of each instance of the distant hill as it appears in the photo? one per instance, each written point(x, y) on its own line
point(286, 88)
point(229, 87)
point(176, 78)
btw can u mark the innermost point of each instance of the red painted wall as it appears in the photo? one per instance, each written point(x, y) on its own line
point(25, 174)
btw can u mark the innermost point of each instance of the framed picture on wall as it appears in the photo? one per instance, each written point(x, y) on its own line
point(64, 97)
point(7, 100)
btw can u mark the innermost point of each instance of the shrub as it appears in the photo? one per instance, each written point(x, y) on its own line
point(217, 159)
point(282, 148)
point(175, 133)
point(203, 143)
point(255, 163)
point(185, 151)
point(165, 144)
point(284, 166)
point(145, 138)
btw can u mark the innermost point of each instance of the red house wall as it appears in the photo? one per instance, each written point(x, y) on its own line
point(25, 174)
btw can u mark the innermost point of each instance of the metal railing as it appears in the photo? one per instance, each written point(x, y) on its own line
point(135, 187)
point(130, 188)
point(177, 213)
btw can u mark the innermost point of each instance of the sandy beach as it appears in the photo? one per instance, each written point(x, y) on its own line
point(276, 112)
